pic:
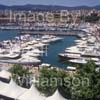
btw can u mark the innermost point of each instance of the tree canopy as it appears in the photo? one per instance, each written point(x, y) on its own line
point(93, 18)
point(83, 85)
point(52, 79)
point(20, 74)
point(90, 91)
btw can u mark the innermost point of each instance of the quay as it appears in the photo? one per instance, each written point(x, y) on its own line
point(59, 33)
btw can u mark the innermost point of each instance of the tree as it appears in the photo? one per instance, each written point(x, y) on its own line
point(20, 74)
point(93, 18)
point(84, 91)
point(83, 85)
point(52, 79)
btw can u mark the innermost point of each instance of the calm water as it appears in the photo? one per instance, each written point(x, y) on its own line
point(53, 50)
point(56, 48)
point(8, 34)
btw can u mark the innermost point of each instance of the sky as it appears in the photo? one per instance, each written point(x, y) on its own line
point(52, 2)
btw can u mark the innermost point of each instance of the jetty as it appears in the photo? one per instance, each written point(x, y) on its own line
point(59, 33)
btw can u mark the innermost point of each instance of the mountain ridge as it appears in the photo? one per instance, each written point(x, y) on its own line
point(46, 7)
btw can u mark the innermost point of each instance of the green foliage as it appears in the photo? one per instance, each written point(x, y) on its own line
point(20, 74)
point(19, 70)
point(91, 91)
point(50, 80)
point(90, 18)
point(88, 89)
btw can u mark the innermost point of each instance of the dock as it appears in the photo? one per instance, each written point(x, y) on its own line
point(58, 33)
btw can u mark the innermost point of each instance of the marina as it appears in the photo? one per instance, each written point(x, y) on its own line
point(49, 50)
point(41, 48)
point(86, 49)
point(52, 53)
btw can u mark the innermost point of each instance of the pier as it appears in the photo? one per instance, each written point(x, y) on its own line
point(59, 33)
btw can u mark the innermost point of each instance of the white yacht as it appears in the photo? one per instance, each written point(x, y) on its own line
point(73, 55)
point(50, 38)
point(32, 54)
point(74, 51)
point(37, 51)
point(45, 41)
point(46, 37)
point(23, 60)
point(28, 48)
point(44, 65)
point(78, 61)
point(10, 56)
point(32, 42)
point(54, 39)
point(70, 68)
point(40, 45)
point(28, 60)
point(69, 55)
point(2, 51)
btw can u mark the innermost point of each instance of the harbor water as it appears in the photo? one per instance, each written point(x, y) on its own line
point(53, 50)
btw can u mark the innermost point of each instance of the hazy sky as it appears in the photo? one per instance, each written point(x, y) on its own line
point(52, 2)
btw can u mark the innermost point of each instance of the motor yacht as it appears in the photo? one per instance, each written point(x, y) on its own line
point(37, 51)
point(28, 60)
point(78, 61)
point(55, 39)
point(70, 68)
point(32, 54)
point(10, 56)
point(50, 38)
point(73, 55)
point(74, 51)
point(69, 55)
point(40, 45)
